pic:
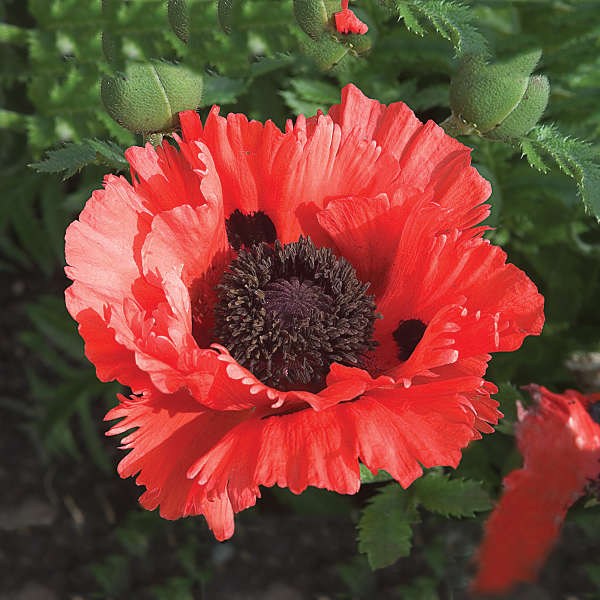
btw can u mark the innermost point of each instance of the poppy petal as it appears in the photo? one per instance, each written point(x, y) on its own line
point(526, 523)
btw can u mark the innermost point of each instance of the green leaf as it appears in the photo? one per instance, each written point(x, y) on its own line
point(451, 497)
point(577, 158)
point(452, 20)
point(385, 527)
point(71, 158)
point(422, 588)
point(109, 153)
point(367, 477)
point(307, 96)
point(410, 18)
point(221, 90)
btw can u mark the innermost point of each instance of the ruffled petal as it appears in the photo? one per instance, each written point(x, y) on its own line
point(526, 523)
point(172, 430)
point(355, 226)
point(429, 159)
point(186, 238)
point(102, 246)
point(244, 153)
point(164, 177)
point(111, 359)
point(396, 430)
point(103, 252)
point(502, 304)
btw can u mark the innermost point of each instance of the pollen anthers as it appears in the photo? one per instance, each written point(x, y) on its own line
point(287, 312)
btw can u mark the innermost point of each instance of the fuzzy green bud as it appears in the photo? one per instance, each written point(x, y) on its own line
point(326, 52)
point(499, 101)
point(527, 113)
point(315, 16)
point(179, 19)
point(148, 96)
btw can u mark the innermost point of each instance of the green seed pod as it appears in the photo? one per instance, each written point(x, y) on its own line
point(312, 17)
point(327, 52)
point(179, 19)
point(483, 96)
point(527, 113)
point(148, 96)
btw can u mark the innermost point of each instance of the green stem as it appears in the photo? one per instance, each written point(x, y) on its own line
point(454, 126)
point(154, 138)
point(12, 120)
point(13, 34)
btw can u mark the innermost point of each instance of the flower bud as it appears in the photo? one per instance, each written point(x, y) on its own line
point(326, 52)
point(501, 100)
point(179, 19)
point(149, 96)
point(315, 16)
point(527, 113)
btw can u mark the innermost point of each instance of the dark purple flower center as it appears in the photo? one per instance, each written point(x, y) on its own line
point(287, 313)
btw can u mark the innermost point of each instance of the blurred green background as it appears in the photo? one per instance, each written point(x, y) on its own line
point(70, 527)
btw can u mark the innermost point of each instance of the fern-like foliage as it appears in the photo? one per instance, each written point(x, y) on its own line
point(451, 497)
point(385, 527)
point(578, 159)
point(71, 158)
point(452, 20)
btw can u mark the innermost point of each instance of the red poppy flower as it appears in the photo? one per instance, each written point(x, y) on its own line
point(347, 22)
point(285, 303)
point(560, 443)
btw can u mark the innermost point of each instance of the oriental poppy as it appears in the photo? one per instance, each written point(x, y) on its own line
point(283, 304)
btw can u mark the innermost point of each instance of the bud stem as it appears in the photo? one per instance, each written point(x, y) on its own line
point(455, 126)
point(154, 138)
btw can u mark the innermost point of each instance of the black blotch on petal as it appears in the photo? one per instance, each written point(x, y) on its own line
point(248, 230)
point(594, 411)
point(407, 336)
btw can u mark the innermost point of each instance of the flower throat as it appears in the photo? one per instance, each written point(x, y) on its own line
point(287, 312)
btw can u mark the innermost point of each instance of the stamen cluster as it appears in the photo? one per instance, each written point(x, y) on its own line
point(286, 312)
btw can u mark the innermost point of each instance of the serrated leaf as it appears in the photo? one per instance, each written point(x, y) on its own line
point(451, 497)
point(385, 527)
point(367, 477)
point(532, 155)
point(111, 154)
point(71, 158)
point(410, 19)
point(576, 158)
point(452, 20)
